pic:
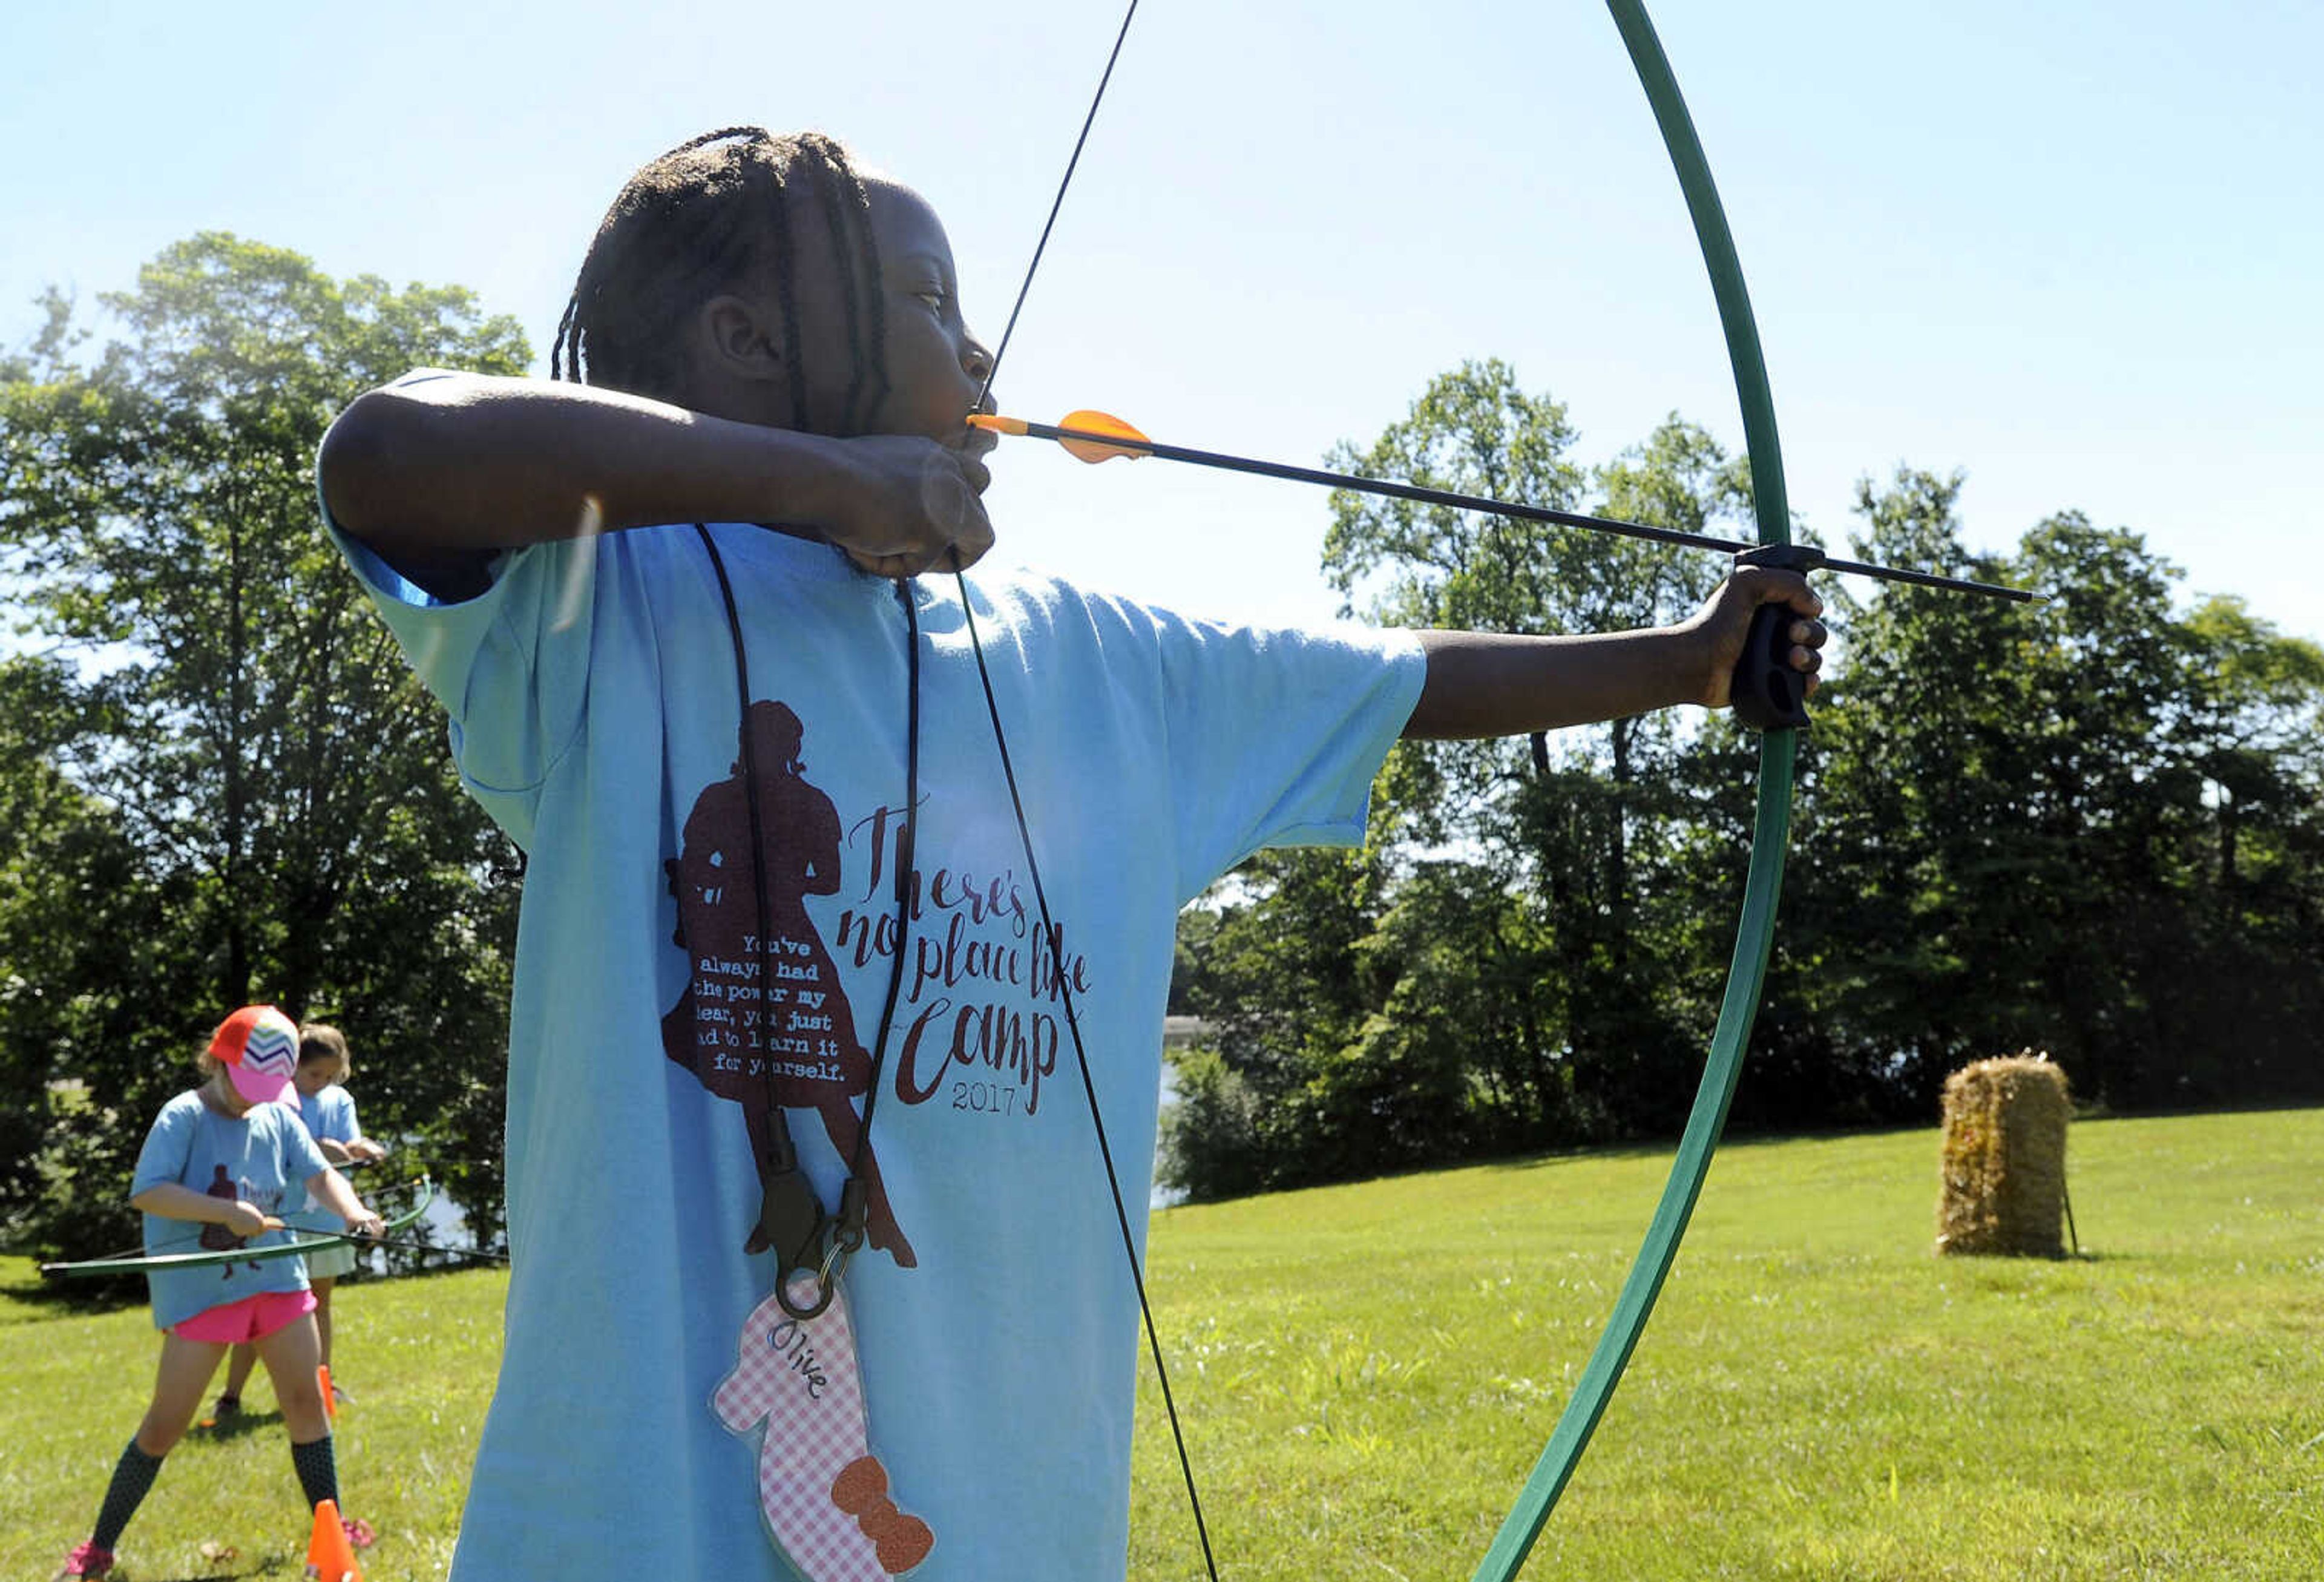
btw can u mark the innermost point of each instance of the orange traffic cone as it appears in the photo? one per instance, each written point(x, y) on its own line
point(329, 1556)
point(330, 1402)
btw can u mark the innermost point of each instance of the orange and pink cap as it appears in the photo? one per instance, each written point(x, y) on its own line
point(259, 1047)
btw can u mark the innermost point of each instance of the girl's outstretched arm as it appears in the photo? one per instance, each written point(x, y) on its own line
point(1485, 684)
point(437, 472)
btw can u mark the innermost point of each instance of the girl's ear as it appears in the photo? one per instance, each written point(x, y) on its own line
point(740, 339)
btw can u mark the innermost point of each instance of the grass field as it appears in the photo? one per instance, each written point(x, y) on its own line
point(1367, 1372)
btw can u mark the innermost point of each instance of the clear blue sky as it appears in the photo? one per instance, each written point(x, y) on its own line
point(2072, 250)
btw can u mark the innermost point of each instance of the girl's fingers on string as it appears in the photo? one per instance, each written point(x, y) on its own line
point(912, 506)
point(952, 501)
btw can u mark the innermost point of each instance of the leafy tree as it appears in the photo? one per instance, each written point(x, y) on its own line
point(2024, 833)
point(1586, 827)
point(2245, 1015)
point(2256, 721)
point(84, 932)
point(248, 734)
point(1281, 980)
point(1900, 829)
point(1495, 974)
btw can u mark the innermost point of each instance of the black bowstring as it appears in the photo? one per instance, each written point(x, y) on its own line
point(1089, 1086)
point(1033, 865)
point(399, 1245)
point(1056, 204)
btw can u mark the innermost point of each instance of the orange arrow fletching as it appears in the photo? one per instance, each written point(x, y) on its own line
point(1085, 423)
point(1085, 433)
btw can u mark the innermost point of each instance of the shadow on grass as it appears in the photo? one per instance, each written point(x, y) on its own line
point(240, 1425)
point(2002, 1260)
point(1514, 1163)
point(39, 1298)
point(1734, 1139)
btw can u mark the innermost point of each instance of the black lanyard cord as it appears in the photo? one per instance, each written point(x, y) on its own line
point(851, 1207)
point(791, 1217)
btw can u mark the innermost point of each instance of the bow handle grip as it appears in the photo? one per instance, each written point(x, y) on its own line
point(1767, 694)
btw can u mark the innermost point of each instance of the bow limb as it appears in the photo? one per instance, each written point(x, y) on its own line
point(148, 1262)
point(1755, 933)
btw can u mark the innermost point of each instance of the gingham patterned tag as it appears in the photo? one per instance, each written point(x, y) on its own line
point(824, 1495)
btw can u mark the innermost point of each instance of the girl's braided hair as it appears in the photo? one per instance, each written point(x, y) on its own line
point(712, 212)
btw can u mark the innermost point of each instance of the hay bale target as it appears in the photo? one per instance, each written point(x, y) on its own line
point(2004, 1158)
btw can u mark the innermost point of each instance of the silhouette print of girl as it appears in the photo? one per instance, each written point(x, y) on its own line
point(749, 1001)
point(218, 1238)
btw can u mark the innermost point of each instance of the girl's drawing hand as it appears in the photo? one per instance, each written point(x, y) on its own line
point(913, 504)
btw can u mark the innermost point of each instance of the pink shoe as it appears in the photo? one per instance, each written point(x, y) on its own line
point(86, 1561)
point(358, 1532)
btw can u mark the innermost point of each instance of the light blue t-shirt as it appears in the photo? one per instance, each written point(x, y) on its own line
point(330, 1113)
point(595, 714)
point(265, 1158)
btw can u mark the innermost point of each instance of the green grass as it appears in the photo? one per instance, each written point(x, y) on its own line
point(419, 1354)
point(1368, 1371)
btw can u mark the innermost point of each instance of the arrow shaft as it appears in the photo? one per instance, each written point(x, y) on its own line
point(1478, 503)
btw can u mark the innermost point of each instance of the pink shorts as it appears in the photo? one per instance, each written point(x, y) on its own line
point(254, 1318)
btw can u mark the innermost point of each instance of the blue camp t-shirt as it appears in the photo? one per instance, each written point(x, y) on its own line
point(330, 1113)
point(595, 712)
point(265, 1158)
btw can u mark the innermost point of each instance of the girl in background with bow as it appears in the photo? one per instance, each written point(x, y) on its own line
point(223, 1156)
point(327, 1110)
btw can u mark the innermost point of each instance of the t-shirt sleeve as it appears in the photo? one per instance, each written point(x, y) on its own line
point(169, 1147)
point(510, 665)
point(334, 1117)
point(1276, 734)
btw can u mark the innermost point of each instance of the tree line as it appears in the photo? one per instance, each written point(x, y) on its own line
point(2092, 825)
